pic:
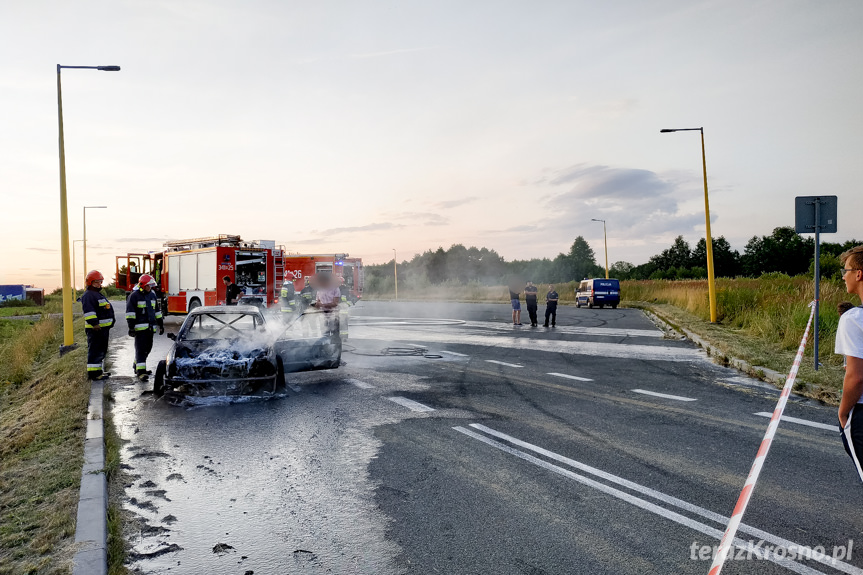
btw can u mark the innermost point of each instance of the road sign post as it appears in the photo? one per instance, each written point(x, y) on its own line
point(815, 214)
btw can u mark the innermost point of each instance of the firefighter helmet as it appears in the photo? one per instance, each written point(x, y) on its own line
point(147, 280)
point(93, 276)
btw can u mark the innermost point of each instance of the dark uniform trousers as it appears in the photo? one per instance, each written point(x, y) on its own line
point(550, 311)
point(97, 349)
point(143, 347)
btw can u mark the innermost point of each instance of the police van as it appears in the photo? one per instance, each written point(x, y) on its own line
point(598, 292)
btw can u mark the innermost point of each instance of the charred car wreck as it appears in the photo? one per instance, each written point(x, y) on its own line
point(241, 350)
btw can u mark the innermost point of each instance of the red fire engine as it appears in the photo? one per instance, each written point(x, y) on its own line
point(298, 267)
point(189, 272)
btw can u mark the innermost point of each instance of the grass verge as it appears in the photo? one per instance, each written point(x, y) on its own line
point(43, 407)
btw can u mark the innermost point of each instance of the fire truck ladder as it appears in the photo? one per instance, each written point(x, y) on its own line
point(198, 243)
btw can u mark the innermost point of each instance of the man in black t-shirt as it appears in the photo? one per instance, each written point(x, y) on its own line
point(550, 305)
point(232, 291)
point(530, 299)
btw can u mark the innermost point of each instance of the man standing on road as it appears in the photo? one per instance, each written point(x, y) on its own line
point(516, 304)
point(232, 291)
point(551, 305)
point(98, 321)
point(849, 342)
point(143, 315)
point(530, 299)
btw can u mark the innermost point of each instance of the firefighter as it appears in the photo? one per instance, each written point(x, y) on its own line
point(98, 321)
point(144, 316)
point(288, 299)
point(307, 295)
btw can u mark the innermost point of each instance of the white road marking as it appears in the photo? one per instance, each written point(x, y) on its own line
point(574, 330)
point(779, 542)
point(455, 353)
point(802, 421)
point(360, 384)
point(575, 377)
point(503, 363)
point(462, 336)
point(295, 388)
point(411, 404)
point(665, 395)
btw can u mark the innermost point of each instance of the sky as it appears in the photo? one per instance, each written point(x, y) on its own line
point(372, 126)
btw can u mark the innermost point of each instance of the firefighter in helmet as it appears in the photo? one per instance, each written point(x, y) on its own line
point(98, 320)
point(288, 299)
point(144, 316)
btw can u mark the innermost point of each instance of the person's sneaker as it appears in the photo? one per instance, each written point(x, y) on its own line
point(519, 324)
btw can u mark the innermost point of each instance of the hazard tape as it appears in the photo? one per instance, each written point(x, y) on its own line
point(743, 500)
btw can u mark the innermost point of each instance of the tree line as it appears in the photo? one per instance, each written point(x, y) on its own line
point(783, 251)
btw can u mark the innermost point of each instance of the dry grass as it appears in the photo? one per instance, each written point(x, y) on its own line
point(43, 406)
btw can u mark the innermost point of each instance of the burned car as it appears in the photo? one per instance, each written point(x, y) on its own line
point(240, 350)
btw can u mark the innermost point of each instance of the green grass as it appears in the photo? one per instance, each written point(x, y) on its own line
point(43, 406)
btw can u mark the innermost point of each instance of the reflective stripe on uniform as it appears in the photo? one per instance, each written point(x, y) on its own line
point(104, 322)
point(142, 326)
point(142, 304)
point(158, 315)
point(90, 315)
point(130, 315)
point(94, 367)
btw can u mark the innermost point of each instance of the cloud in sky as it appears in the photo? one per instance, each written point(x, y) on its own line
point(449, 204)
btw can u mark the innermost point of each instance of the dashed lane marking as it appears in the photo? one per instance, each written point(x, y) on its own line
point(664, 395)
point(411, 404)
point(503, 363)
point(575, 377)
point(360, 384)
point(802, 421)
point(455, 353)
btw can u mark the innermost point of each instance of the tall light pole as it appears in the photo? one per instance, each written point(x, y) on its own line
point(711, 282)
point(396, 274)
point(605, 237)
point(74, 275)
point(68, 337)
point(85, 234)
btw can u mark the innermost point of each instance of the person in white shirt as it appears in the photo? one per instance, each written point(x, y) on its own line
point(849, 342)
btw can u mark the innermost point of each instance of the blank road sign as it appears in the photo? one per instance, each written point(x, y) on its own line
point(804, 214)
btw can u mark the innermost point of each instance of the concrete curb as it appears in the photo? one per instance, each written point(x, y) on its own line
point(753, 370)
point(91, 526)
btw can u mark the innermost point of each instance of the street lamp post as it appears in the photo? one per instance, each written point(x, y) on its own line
point(711, 282)
point(396, 274)
point(85, 235)
point(68, 337)
point(605, 238)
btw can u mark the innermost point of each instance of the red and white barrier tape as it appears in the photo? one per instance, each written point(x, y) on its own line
point(743, 500)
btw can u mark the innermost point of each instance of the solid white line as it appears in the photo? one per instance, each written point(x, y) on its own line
point(455, 353)
point(411, 404)
point(698, 526)
point(504, 363)
point(570, 376)
point(665, 395)
point(360, 384)
point(802, 421)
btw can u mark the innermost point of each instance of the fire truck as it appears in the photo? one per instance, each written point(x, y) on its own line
point(189, 272)
point(299, 267)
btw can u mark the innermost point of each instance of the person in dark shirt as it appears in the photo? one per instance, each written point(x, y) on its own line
point(530, 299)
point(232, 291)
point(550, 305)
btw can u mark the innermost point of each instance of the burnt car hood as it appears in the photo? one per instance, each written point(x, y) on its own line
point(203, 362)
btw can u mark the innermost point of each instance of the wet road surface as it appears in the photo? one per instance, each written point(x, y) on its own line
point(454, 442)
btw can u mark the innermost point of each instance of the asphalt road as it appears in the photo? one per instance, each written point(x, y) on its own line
point(493, 449)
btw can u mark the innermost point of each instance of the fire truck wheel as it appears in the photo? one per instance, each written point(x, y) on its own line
point(159, 380)
point(194, 303)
